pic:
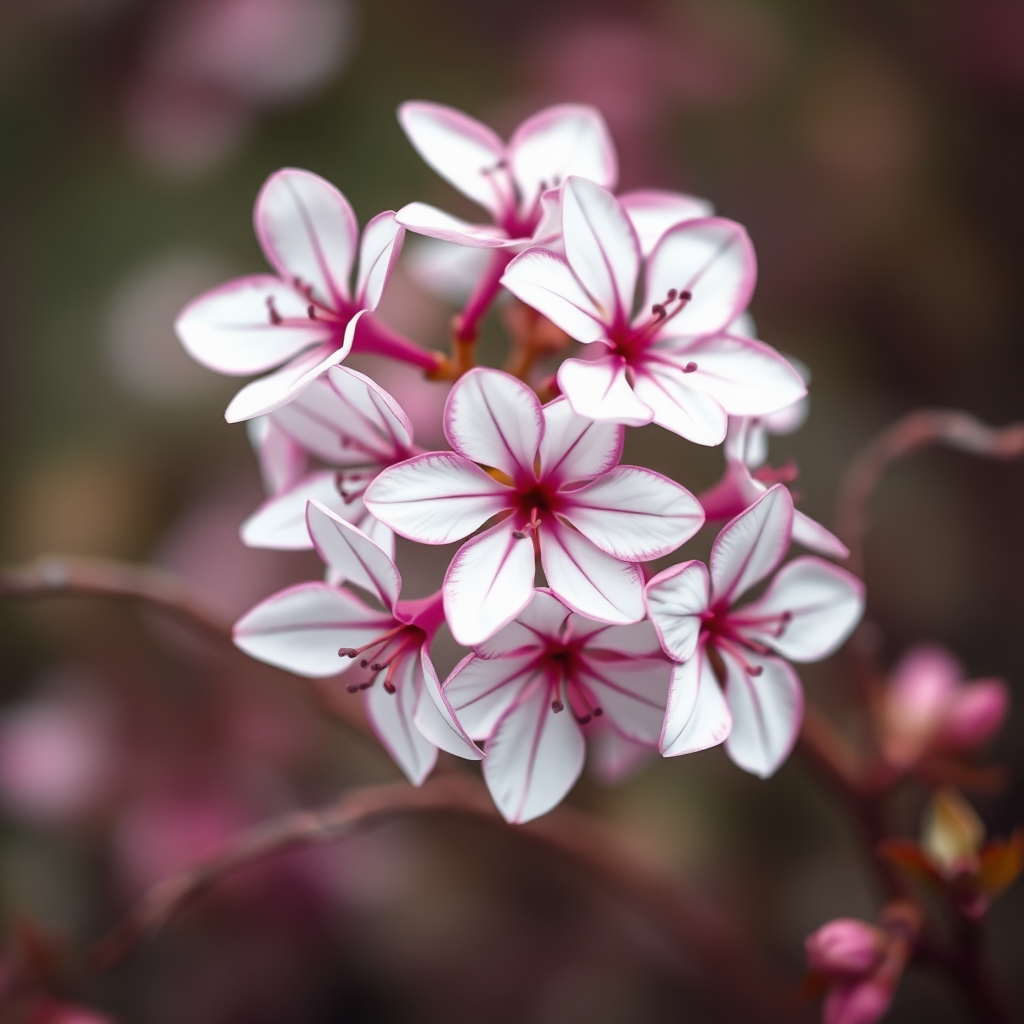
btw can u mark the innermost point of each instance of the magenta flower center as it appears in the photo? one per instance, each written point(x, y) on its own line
point(533, 502)
point(631, 340)
point(384, 653)
point(723, 629)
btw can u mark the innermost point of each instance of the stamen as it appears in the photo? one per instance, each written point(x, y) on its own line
point(352, 652)
point(659, 311)
point(690, 367)
point(275, 317)
point(557, 705)
point(672, 293)
point(379, 666)
point(311, 311)
point(531, 527)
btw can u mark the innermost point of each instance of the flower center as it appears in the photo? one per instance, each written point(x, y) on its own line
point(532, 503)
point(315, 310)
point(564, 680)
point(726, 630)
point(631, 340)
point(384, 654)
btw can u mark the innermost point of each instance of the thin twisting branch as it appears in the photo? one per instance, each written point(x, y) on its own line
point(68, 576)
point(917, 430)
point(685, 919)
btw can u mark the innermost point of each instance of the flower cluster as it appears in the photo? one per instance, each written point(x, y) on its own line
point(572, 633)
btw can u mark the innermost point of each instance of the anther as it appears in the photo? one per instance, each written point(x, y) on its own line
point(672, 294)
point(583, 719)
point(690, 367)
point(556, 706)
point(389, 687)
point(754, 670)
point(598, 712)
point(275, 317)
point(659, 311)
point(311, 311)
point(685, 295)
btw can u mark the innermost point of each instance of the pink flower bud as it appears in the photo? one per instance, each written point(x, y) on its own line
point(975, 714)
point(845, 948)
point(861, 1002)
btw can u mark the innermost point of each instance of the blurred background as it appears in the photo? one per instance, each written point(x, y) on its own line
point(874, 150)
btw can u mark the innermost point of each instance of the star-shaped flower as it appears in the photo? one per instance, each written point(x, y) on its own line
point(305, 315)
point(675, 362)
point(320, 630)
point(533, 690)
point(806, 613)
point(349, 422)
point(552, 481)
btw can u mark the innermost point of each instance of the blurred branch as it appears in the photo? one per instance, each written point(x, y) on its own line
point(914, 432)
point(68, 576)
point(703, 938)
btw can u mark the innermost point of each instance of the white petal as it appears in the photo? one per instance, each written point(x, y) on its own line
point(392, 716)
point(751, 546)
point(676, 599)
point(378, 252)
point(653, 212)
point(301, 629)
point(540, 621)
point(714, 260)
point(229, 329)
point(634, 514)
point(463, 151)
point(576, 448)
point(543, 280)
point(588, 580)
point(557, 142)
point(434, 223)
point(766, 713)
point(281, 522)
point(697, 716)
point(605, 642)
point(308, 232)
point(282, 459)
point(678, 407)
point(601, 247)
point(598, 389)
point(481, 690)
point(493, 418)
point(349, 552)
point(436, 719)
point(824, 602)
point(489, 582)
point(347, 420)
point(745, 377)
point(277, 389)
point(436, 498)
point(632, 693)
point(813, 535)
point(534, 757)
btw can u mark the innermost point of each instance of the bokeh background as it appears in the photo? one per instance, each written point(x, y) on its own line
point(875, 151)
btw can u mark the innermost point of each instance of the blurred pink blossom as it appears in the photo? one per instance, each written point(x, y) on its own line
point(57, 755)
point(211, 66)
point(930, 708)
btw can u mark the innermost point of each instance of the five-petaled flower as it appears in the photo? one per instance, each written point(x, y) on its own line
point(348, 422)
point(306, 315)
point(806, 613)
point(553, 480)
point(533, 689)
point(675, 362)
point(320, 630)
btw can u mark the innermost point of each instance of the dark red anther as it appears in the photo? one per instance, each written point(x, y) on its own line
point(275, 317)
point(311, 311)
point(598, 712)
point(659, 311)
point(583, 719)
point(672, 294)
point(689, 367)
point(556, 706)
point(389, 687)
point(754, 670)
point(685, 295)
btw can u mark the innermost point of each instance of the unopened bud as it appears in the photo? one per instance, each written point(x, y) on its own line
point(975, 714)
point(845, 948)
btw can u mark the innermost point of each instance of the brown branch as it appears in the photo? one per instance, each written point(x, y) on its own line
point(914, 432)
point(67, 576)
point(685, 919)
